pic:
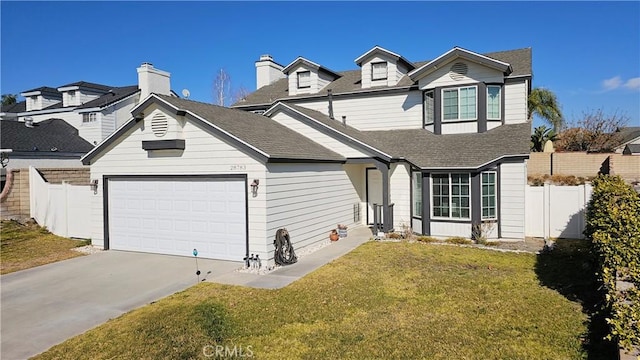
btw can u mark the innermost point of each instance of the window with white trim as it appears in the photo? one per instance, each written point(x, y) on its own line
point(459, 103)
point(489, 198)
point(450, 196)
point(72, 95)
point(379, 70)
point(304, 79)
point(88, 117)
point(493, 102)
point(417, 194)
point(429, 107)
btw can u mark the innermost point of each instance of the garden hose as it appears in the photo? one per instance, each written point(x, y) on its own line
point(284, 254)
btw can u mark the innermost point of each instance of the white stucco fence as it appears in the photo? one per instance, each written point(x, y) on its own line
point(64, 209)
point(555, 211)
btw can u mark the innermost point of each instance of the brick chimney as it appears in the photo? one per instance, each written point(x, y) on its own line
point(152, 80)
point(267, 71)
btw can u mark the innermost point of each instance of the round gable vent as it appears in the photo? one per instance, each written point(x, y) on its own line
point(159, 125)
point(458, 71)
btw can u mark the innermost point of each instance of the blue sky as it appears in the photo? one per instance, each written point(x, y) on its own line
point(588, 53)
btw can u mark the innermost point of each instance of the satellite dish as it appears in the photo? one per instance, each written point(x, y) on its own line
point(186, 93)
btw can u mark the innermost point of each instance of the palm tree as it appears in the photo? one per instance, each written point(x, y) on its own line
point(540, 136)
point(9, 99)
point(543, 102)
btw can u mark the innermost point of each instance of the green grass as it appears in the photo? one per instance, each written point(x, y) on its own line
point(381, 301)
point(29, 245)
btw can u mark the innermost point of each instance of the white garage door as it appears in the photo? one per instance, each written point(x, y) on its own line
point(175, 215)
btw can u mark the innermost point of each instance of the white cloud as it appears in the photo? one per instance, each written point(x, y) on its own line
point(633, 83)
point(613, 83)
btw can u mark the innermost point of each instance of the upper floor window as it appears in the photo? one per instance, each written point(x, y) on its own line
point(450, 196)
point(429, 107)
point(493, 102)
point(379, 70)
point(459, 103)
point(72, 95)
point(34, 100)
point(304, 79)
point(89, 117)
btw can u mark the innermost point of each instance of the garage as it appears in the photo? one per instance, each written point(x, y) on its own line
point(174, 215)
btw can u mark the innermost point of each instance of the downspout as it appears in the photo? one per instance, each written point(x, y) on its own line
point(330, 104)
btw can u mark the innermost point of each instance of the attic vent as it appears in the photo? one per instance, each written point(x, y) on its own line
point(458, 71)
point(159, 125)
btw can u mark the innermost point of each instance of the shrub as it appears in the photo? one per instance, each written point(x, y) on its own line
point(458, 240)
point(394, 235)
point(426, 239)
point(613, 227)
point(564, 180)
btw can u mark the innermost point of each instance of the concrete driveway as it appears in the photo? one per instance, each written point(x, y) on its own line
point(44, 306)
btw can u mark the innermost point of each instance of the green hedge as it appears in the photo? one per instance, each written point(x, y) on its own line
point(613, 226)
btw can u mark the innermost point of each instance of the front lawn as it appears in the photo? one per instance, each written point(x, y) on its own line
point(382, 300)
point(29, 245)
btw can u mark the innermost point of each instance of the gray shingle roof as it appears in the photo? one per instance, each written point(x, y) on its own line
point(44, 89)
point(632, 149)
point(350, 81)
point(428, 150)
point(15, 108)
point(259, 131)
point(628, 133)
point(115, 94)
point(88, 85)
point(43, 136)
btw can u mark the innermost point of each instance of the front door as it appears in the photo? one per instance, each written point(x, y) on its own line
point(374, 192)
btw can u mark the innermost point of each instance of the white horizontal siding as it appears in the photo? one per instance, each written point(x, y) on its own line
point(107, 123)
point(400, 195)
point(318, 136)
point(382, 112)
point(46, 102)
point(459, 128)
point(309, 200)
point(123, 110)
point(493, 124)
point(85, 96)
point(513, 180)
point(204, 154)
point(515, 103)
point(476, 73)
point(91, 131)
point(447, 229)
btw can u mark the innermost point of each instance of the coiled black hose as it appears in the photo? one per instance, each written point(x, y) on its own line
point(284, 254)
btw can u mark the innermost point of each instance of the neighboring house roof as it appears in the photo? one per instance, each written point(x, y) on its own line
point(42, 137)
point(254, 131)
point(628, 134)
point(427, 150)
point(115, 94)
point(15, 108)
point(351, 81)
point(87, 85)
point(632, 149)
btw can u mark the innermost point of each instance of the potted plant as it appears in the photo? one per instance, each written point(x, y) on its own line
point(333, 235)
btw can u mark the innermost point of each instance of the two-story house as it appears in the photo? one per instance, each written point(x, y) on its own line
point(437, 146)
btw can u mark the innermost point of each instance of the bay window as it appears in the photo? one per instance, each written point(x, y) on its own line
point(489, 195)
point(451, 196)
point(417, 194)
point(459, 103)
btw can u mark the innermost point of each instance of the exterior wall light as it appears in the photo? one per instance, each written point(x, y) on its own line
point(94, 186)
point(254, 187)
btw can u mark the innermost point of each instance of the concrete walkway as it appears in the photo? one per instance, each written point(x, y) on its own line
point(46, 305)
point(285, 275)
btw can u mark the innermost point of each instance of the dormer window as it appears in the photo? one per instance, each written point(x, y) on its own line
point(34, 100)
point(379, 71)
point(304, 79)
point(72, 96)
